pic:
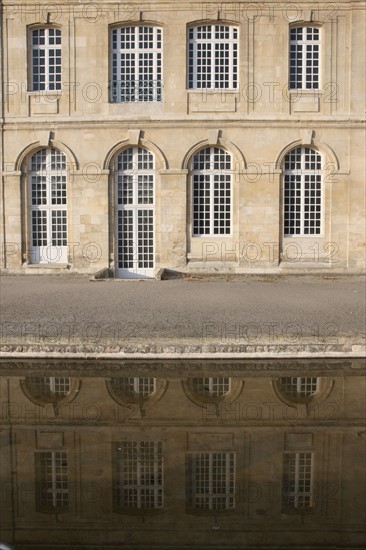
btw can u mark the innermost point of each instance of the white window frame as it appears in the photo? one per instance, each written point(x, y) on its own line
point(297, 82)
point(129, 456)
point(302, 174)
point(47, 48)
point(135, 262)
point(214, 65)
point(142, 60)
point(54, 482)
point(41, 185)
point(211, 173)
point(295, 497)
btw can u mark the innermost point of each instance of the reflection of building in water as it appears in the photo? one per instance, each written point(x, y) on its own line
point(262, 459)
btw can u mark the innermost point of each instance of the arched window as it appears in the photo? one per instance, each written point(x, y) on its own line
point(304, 70)
point(134, 200)
point(45, 59)
point(136, 64)
point(48, 206)
point(302, 192)
point(212, 57)
point(211, 192)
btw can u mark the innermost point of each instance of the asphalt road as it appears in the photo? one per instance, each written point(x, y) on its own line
point(245, 310)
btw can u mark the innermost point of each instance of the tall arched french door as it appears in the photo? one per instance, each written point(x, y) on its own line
point(134, 213)
point(47, 207)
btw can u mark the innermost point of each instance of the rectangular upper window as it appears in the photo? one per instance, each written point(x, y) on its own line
point(213, 57)
point(136, 64)
point(45, 59)
point(304, 60)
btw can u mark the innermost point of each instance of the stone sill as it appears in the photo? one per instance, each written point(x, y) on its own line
point(46, 266)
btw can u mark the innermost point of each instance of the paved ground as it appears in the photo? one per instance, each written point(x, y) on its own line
point(288, 310)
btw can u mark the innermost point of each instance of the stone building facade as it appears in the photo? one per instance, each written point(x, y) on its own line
point(218, 136)
point(104, 454)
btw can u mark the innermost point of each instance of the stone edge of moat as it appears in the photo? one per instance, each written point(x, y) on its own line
point(169, 350)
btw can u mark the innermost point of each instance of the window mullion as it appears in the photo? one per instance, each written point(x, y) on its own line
point(139, 474)
point(231, 61)
point(211, 202)
point(297, 478)
point(48, 205)
point(195, 59)
point(304, 59)
point(53, 478)
point(227, 479)
point(210, 480)
point(213, 59)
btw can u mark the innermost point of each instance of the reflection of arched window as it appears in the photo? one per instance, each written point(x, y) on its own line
point(136, 393)
point(48, 387)
point(302, 192)
point(47, 192)
point(298, 388)
point(302, 390)
point(211, 192)
point(54, 390)
point(136, 64)
point(210, 387)
point(133, 387)
point(212, 390)
point(212, 57)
